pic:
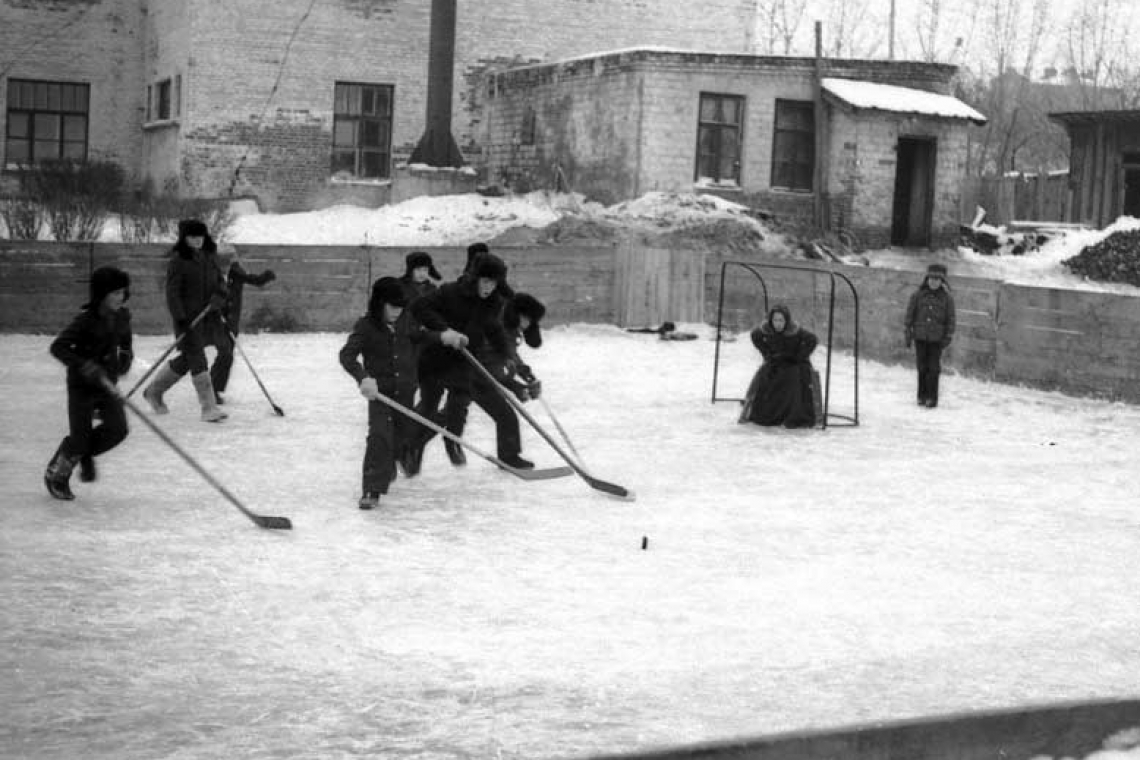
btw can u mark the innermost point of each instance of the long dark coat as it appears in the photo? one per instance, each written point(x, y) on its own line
point(930, 315)
point(782, 390)
point(193, 278)
point(457, 306)
point(105, 340)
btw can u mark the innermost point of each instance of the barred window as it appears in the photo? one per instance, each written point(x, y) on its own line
point(793, 145)
point(46, 121)
point(362, 130)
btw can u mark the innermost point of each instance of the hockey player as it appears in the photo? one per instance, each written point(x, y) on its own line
point(385, 339)
point(95, 347)
point(194, 282)
point(236, 280)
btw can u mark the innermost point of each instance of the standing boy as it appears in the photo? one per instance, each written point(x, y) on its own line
point(930, 327)
point(236, 280)
point(91, 348)
point(384, 339)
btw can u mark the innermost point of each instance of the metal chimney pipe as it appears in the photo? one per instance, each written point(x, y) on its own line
point(437, 147)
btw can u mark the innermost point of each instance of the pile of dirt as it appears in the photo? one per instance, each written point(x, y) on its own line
point(1116, 258)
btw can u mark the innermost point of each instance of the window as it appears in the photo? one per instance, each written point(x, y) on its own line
point(362, 131)
point(177, 95)
point(718, 138)
point(793, 146)
point(529, 127)
point(164, 99)
point(46, 120)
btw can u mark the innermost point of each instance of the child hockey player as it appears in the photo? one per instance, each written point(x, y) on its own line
point(384, 339)
point(236, 280)
point(95, 347)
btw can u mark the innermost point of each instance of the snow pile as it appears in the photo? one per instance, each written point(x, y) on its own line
point(889, 97)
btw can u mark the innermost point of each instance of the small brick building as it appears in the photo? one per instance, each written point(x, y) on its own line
point(884, 145)
point(295, 103)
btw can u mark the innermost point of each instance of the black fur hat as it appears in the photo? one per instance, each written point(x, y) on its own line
point(417, 259)
point(529, 306)
point(490, 266)
point(474, 251)
point(192, 228)
point(106, 280)
point(386, 290)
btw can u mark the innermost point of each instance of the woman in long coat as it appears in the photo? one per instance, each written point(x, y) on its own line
point(781, 392)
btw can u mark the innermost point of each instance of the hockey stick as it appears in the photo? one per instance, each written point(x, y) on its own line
point(261, 521)
point(562, 432)
point(166, 353)
point(547, 474)
point(596, 483)
point(279, 411)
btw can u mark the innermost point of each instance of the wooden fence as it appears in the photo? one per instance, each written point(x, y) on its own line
point(1041, 197)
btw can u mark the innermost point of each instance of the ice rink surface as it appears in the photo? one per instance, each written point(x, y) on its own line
point(980, 555)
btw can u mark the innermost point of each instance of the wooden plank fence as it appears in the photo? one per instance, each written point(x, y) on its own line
point(1042, 197)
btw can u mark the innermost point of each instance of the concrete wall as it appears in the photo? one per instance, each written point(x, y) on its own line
point(1077, 341)
point(98, 42)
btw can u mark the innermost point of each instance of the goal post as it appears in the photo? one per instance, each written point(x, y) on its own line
point(834, 279)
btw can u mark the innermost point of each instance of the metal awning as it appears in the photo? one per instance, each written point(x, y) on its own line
point(860, 94)
point(1073, 118)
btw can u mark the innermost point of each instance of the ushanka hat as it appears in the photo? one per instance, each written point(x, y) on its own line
point(192, 228)
point(937, 270)
point(386, 290)
point(417, 259)
point(106, 280)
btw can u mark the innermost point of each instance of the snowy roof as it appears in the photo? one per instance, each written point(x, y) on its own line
point(888, 97)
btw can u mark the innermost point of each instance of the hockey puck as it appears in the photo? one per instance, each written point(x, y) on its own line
point(644, 542)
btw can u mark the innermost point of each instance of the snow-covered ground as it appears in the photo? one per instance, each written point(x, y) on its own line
point(980, 555)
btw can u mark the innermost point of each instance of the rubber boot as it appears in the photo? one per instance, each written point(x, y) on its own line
point(87, 470)
point(205, 390)
point(162, 382)
point(57, 476)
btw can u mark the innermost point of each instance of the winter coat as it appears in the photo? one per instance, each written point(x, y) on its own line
point(414, 290)
point(92, 337)
point(389, 354)
point(930, 315)
point(236, 280)
point(194, 278)
point(783, 390)
point(457, 306)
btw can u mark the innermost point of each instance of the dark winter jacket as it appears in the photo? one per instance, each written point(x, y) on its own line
point(389, 353)
point(236, 280)
point(105, 341)
point(457, 306)
point(930, 315)
point(792, 345)
point(193, 280)
point(414, 290)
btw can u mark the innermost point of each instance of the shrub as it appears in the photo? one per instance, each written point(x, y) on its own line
point(23, 218)
point(75, 196)
point(150, 217)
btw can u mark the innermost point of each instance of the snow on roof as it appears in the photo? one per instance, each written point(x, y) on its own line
point(889, 97)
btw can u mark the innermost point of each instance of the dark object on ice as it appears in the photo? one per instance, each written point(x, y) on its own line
point(666, 327)
point(785, 390)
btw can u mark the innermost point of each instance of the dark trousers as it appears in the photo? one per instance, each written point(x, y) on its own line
point(192, 352)
point(490, 399)
point(928, 360)
point(387, 432)
point(223, 362)
point(84, 438)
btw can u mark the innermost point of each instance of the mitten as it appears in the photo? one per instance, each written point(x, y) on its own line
point(532, 334)
point(534, 388)
point(368, 389)
point(270, 275)
point(524, 371)
point(125, 358)
point(453, 338)
point(520, 391)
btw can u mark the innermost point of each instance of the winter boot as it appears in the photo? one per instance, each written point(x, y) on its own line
point(57, 476)
point(455, 452)
point(517, 462)
point(87, 471)
point(205, 389)
point(162, 382)
point(370, 500)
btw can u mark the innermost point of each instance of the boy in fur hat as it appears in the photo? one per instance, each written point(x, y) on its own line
point(236, 280)
point(194, 282)
point(96, 348)
point(385, 339)
point(419, 271)
point(929, 325)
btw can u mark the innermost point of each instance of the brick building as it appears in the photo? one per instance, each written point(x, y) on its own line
point(298, 103)
point(883, 151)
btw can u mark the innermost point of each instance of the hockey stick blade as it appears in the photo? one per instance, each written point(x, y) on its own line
point(613, 489)
point(261, 521)
point(543, 474)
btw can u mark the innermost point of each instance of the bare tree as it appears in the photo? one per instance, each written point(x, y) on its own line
point(1097, 54)
point(944, 29)
point(851, 28)
point(778, 23)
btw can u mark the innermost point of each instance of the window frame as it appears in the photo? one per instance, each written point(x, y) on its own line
point(780, 148)
point(15, 104)
point(365, 154)
point(715, 129)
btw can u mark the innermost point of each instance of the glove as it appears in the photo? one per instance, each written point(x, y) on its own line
point(125, 358)
point(524, 371)
point(453, 339)
point(218, 301)
point(534, 388)
point(520, 391)
point(369, 390)
point(93, 373)
point(270, 275)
